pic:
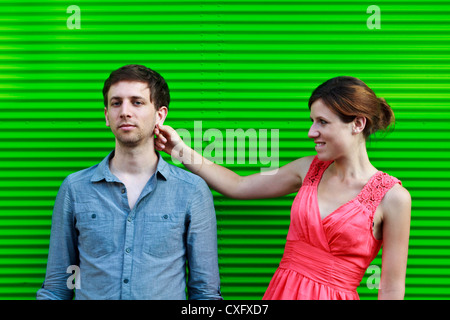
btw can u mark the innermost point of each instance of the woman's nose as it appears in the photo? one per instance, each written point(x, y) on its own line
point(313, 133)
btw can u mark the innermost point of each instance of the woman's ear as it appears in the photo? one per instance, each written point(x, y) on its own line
point(359, 124)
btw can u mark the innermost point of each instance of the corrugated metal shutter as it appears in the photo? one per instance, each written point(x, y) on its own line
point(232, 65)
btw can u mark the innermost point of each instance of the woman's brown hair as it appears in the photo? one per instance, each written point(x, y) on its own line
point(349, 98)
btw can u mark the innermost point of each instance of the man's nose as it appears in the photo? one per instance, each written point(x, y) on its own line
point(125, 110)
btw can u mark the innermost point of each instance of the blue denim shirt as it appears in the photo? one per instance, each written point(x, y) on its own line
point(133, 254)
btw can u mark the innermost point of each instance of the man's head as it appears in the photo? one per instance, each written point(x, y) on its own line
point(136, 99)
point(159, 90)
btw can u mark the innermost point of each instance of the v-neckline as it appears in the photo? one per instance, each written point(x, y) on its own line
point(344, 204)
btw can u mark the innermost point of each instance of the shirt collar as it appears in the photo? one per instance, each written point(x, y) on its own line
point(102, 172)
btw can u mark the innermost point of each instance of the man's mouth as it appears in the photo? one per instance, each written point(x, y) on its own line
point(127, 126)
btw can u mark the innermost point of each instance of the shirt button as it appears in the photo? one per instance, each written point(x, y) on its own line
point(123, 191)
point(94, 216)
point(125, 281)
point(128, 250)
point(165, 216)
point(129, 219)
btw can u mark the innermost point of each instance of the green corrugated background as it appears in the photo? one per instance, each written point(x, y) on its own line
point(229, 64)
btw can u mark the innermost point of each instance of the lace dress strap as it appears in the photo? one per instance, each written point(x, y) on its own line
point(374, 191)
point(315, 171)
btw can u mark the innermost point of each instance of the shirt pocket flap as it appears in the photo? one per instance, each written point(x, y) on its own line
point(176, 217)
point(90, 211)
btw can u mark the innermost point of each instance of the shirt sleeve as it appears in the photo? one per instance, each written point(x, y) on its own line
point(204, 279)
point(62, 256)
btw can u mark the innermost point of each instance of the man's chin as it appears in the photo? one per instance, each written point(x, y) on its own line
point(132, 142)
point(129, 143)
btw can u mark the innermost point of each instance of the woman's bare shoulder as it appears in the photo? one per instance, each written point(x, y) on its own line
point(397, 201)
point(302, 165)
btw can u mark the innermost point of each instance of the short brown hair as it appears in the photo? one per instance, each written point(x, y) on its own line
point(159, 90)
point(349, 98)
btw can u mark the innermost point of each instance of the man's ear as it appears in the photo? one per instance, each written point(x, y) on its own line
point(359, 124)
point(106, 117)
point(161, 115)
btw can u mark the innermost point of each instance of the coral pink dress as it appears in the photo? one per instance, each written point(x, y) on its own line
point(327, 258)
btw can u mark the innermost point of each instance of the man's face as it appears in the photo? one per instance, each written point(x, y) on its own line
point(130, 114)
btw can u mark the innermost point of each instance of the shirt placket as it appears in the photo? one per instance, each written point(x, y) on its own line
point(127, 276)
point(128, 247)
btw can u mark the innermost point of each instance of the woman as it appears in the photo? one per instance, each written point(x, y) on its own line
point(344, 209)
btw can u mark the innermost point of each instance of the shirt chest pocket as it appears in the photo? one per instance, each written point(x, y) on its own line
point(164, 234)
point(95, 230)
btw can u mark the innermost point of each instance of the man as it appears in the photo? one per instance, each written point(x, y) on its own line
point(128, 225)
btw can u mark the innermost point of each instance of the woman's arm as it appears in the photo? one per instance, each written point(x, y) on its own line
point(275, 183)
point(396, 224)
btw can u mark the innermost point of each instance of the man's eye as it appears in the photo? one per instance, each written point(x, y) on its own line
point(115, 103)
point(323, 122)
point(139, 103)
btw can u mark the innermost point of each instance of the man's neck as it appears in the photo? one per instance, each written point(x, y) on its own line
point(134, 161)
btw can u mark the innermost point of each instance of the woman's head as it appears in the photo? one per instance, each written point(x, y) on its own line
point(349, 98)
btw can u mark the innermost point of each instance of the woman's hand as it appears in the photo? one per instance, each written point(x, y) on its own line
point(169, 141)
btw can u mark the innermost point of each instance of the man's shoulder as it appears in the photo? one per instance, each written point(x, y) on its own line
point(81, 176)
point(180, 175)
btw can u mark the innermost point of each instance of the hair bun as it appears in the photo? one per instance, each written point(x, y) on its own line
point(387, 117)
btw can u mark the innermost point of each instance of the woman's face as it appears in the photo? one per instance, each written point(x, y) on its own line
point(333, 137)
